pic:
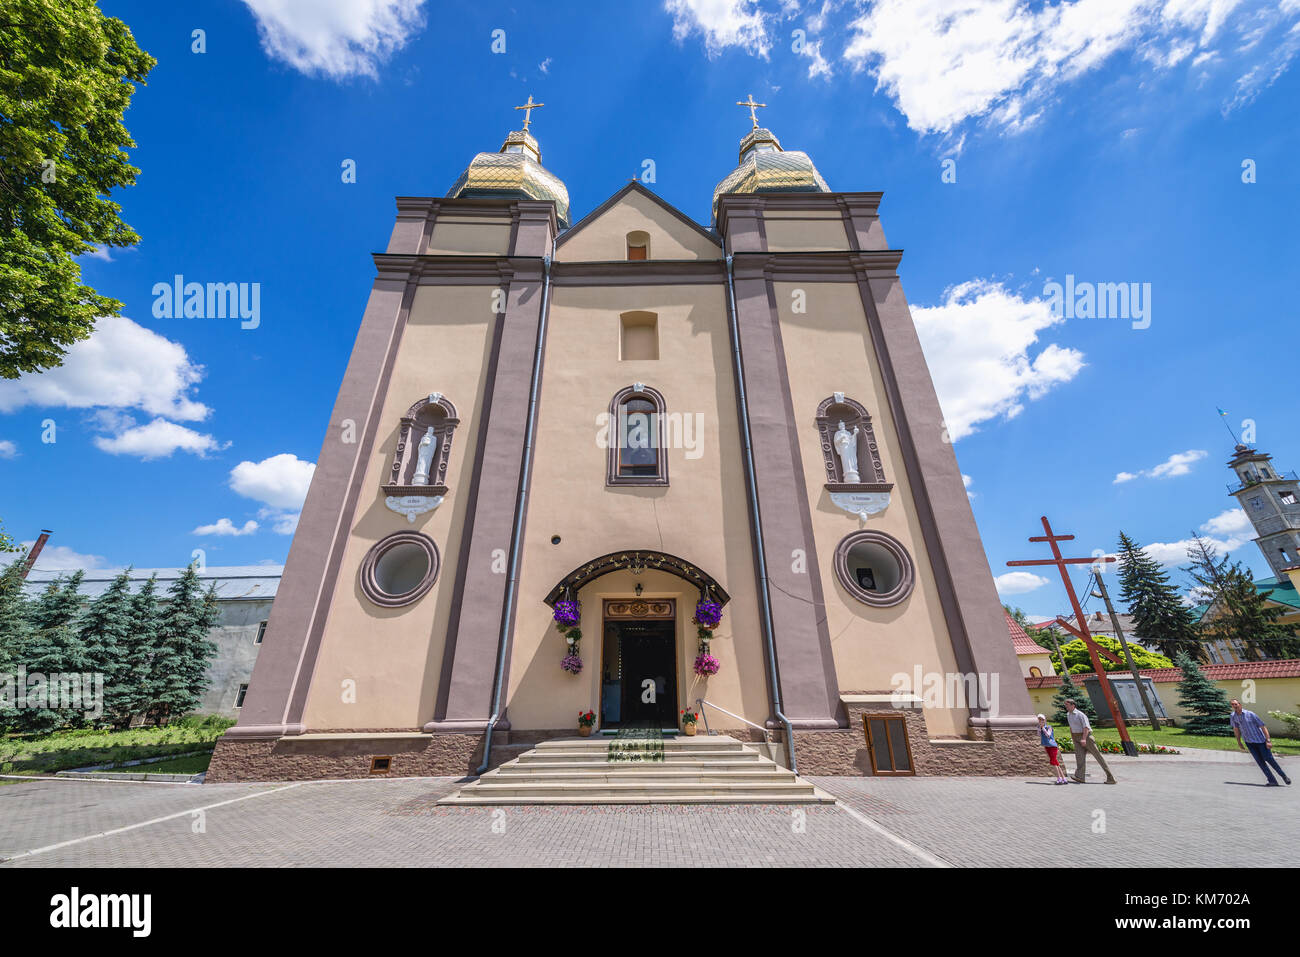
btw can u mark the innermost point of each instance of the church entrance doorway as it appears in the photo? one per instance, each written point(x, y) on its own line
point(639, 664)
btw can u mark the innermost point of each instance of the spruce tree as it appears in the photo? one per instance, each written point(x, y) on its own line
point(1161, 620)
point(1069, 691)
point(1201, 696)
point(1238, 614)
point(144, 683)
point(13, 630)
point(105, 632)
point(183, 649)
point(52, 648)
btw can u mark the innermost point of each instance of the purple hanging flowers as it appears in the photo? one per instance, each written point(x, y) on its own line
point(572, 664)
point(706, 664)
point(708, 614)
point(567, 614)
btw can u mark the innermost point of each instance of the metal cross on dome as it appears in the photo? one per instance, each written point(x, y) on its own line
point(528, 110)
point(752, 107)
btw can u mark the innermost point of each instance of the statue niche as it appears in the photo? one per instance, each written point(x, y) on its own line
point(417, 480)
point(855, 476)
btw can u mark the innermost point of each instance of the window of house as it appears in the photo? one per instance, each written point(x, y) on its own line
point(1035, 671)
point(1256, 502)
point(639, 336)
point(638, 245)
point(636, 447)
point(874, 568)
point(261, 633)
point(239, 697)
point(1288, 498)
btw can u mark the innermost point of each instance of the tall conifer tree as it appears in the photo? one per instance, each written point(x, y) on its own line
point(183, 649)
point(1161, 620)
point(1201, 696)
point(105, 632)
point(50, 649)
point(1238, 613)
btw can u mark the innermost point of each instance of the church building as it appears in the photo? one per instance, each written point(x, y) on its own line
point(634, 465)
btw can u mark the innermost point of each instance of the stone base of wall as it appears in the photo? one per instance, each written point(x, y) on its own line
point(340, 754)
point(1007, 753)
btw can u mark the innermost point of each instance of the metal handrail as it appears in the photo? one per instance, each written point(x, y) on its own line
point(700, 703)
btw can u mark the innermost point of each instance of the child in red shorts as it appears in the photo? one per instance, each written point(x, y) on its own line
point(1048, 738)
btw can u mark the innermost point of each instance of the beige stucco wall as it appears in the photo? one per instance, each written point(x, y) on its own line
point(1271, 694)
point(804, 230)
point(394, 654)
point(828, 349)
point(604, 239)
point(472, 236)
point(701, 516)
point(1042, 662)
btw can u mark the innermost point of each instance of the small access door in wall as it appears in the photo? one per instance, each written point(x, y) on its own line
point(887, 744)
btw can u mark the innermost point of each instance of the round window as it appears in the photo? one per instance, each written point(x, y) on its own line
point(399, 569)
point(874, 568)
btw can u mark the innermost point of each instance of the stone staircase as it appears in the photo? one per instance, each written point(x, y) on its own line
point(713, 769)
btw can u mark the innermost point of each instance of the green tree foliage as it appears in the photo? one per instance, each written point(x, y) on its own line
point(1238, 612)
point(1069, 691)
point(182, 649)
point(50, 648)
point(105, 631)
point(141, 652)
point(13, 630)
point(1160, 617)
point(67, 73)
point(1078, 661)
point(1204, 699)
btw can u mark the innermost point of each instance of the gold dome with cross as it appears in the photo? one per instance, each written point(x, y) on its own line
point(515, 170)
point(765, 167)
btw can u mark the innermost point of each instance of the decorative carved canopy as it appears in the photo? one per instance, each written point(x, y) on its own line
point(434, 411)
point(840, 408)
point(567, 588)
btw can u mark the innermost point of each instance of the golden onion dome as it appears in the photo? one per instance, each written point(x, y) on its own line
point(767, 168)
point(516, 171)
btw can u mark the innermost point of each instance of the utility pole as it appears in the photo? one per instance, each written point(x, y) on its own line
point(1104, 595)
point(1108, 693)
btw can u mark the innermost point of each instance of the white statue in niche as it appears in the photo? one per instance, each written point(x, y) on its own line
point(846, 444)
point(424, 458)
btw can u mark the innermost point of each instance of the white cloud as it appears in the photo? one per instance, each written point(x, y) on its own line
point(336, 38)
point(1019, 583)
point(817, 65)
point(967, 482)
point(977, 344)
point(122, 365)
point(943, 62)
point(722, 23)
point(224, 526)
point(60, 558)
point(8, 449)
point(1180, 463)
point(100, 252)
point(1227, 531)
point(280, 481)
point(157, 439)
point(545, 66)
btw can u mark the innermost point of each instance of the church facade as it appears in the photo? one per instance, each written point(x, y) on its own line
point(634, 465)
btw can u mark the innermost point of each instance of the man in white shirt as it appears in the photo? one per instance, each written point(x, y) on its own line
point(1084, 744)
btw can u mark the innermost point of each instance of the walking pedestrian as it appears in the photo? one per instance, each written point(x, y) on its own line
point(1048, 738)
point(1252, 734)
point(1084, 744)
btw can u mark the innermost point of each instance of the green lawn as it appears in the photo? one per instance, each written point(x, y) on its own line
point(65, 750)
point(192, 764)
point(1178, 738)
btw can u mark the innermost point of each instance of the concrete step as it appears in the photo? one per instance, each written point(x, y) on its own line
point(631, 757)
point(686, 764)
point(714, 770)
point(716, 742)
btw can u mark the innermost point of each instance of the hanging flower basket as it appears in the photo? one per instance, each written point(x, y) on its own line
point(572, 664)
point(706, 664)
point(708, 614)
point(567, 614)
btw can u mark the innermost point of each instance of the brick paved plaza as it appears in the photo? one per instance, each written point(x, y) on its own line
point(1164, 813)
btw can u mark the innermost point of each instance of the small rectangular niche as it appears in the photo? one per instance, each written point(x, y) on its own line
point(640, 336)
point(381, 765)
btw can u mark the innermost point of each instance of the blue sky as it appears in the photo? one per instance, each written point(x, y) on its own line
point(1100, 140)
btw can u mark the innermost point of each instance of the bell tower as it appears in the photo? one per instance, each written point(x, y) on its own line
point(1272, 502)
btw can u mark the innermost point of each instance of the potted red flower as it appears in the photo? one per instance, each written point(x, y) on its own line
point(688, 723)
point(586, 720)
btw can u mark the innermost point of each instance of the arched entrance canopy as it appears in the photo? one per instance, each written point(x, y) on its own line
point(636, 560)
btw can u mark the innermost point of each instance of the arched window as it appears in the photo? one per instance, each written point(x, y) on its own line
point(638, 244)
point(1035, 671)
point(636, 448)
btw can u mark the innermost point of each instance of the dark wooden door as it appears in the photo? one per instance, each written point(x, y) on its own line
point(648, 658)
point(891, 752)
